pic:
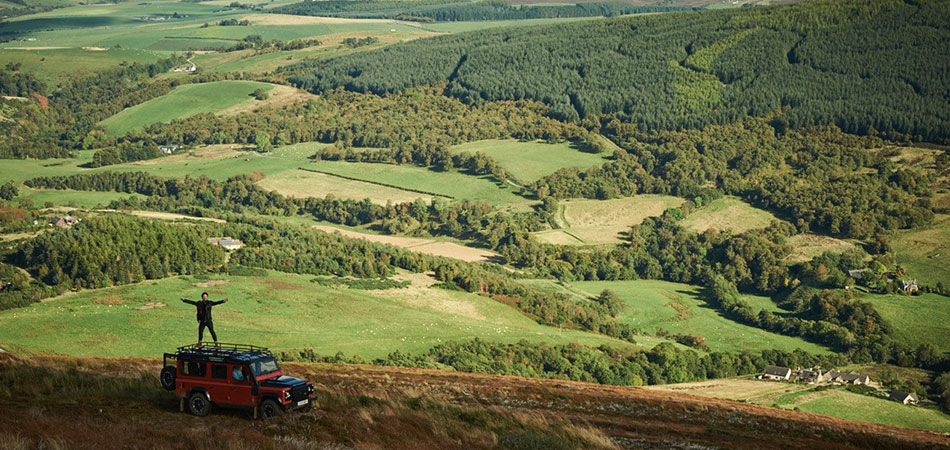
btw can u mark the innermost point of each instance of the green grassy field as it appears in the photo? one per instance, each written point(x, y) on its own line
point(81, 199)
point(281, 311)
point(53, 65)
point(925, 252)
point(728, 213)
point(680, 308)
point(449, 184)
point(182, 102)
point(863, 408)
point(529, 161)
point(836, 402)
point(916, 320)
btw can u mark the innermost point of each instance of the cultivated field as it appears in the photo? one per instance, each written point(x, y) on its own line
point(427, 246)
point(281, 311)
point(529, 161)
point(681, 308)
point(923, 319)
point(184, 101)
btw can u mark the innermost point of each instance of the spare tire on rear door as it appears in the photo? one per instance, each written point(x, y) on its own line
point(167, 377)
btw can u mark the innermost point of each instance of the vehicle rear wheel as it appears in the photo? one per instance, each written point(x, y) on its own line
point(198, 404)
point(167, 378)
point(270, 409)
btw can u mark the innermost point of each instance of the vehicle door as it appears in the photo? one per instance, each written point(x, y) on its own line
point(218, 387)
point(241, 383)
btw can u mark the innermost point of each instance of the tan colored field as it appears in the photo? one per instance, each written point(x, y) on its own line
point(807, 246)
point(289, 19)
point(301, 184)
point(277, 97)
point(427, 246)
point(163, 215)
point(734, 389)
point(603, 221)
point(727, 213)
point(208, 152)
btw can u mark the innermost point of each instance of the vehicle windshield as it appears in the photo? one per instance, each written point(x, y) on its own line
point(264, 367)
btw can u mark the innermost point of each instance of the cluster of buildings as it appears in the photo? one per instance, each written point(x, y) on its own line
point(227, 242)
point(816, 376)
point(169, 149)
point(64, 222)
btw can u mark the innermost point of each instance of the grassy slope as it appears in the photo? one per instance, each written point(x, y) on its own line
point(280, 311)
point(728, 213)
point(925, 252)
point(916, 319)
point(528, 161)
point(182, 102)
point(451, 184)
point(302, 183)
point(648, 308)
point(863, 408)
point(586, 222)
point(833, 402)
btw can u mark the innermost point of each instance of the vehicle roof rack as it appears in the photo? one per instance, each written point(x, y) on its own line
point(235, 353)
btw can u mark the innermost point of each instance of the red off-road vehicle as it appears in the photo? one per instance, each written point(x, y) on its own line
point(233, 375)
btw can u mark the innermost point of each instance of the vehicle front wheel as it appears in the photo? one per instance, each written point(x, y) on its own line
point(198, 404)
point(270, 409)
point(167, 378)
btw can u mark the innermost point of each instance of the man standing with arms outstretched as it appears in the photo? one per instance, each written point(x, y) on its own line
point(204, 316)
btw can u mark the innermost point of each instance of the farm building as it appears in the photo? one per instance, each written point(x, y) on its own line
point(227, 242)
point(907, 398)
point(64, 222)
point(835, 376)
point(169, 149)
point(910, 286)
point(776, 373)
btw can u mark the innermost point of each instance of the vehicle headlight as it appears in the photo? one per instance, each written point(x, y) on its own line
point(310, 388)
point(286, 395)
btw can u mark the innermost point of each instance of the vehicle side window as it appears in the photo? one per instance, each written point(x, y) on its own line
point(237, 374)
point(219, 371)
point(193, 368)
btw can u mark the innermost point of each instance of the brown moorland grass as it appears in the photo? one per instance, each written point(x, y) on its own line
point(303, 183)
point(117, 403)
point(806, 246)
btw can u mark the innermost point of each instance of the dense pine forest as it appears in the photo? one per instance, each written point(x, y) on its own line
point(866, 67)
point(423, 11)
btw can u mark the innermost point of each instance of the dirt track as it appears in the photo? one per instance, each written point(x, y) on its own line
point(110, 403)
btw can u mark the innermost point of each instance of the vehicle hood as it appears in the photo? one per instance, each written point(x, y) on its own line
point(283, 381)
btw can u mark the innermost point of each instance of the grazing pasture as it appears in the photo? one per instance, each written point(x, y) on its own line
point(918, 319)
point(925, 252)
point(529, 161)
point(450, 184)
point(681, 308)
point(182, 102)
point(280, 311)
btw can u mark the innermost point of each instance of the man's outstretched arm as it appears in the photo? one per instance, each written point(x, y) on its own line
point(219, 302)
point(189, 302)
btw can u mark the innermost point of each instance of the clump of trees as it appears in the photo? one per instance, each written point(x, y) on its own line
point(109, 250)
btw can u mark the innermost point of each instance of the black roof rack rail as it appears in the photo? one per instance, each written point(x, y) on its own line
point(234, 353)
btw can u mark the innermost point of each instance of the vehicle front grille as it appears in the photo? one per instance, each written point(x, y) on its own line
point(298, 393)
